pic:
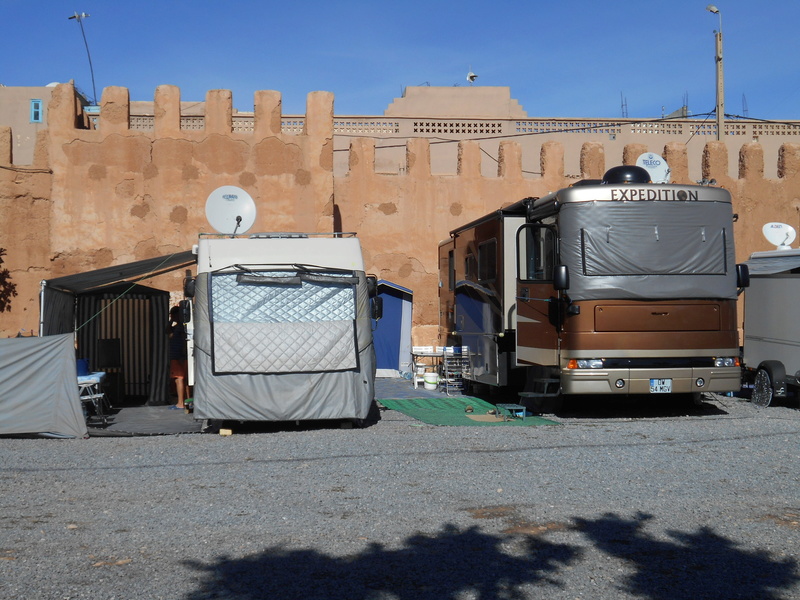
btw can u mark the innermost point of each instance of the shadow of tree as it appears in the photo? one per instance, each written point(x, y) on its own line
point(461, 563)
point(440, 567)
point(7, 289)
point(695, 565)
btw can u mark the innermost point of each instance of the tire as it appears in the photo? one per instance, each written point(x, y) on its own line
point(762, 389)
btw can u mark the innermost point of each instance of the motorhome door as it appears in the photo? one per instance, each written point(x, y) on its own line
point(537, 299)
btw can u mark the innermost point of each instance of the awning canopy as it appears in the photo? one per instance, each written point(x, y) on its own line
point(774, 263)
point(142, 269)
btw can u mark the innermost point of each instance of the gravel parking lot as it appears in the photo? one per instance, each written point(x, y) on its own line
point(619, 500)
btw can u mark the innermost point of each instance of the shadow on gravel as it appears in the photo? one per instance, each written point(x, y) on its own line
point(636, 407)
point(250, 427)
point(440, 567)
point(695, 565)
point(468, 562)
point(609, 406)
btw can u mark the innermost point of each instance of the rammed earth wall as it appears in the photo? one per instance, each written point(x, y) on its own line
point(95, 198)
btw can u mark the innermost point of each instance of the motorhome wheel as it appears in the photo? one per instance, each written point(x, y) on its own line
point(762, 389)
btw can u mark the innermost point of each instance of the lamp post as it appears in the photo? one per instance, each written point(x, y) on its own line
point(79, 18)
point(720, 80)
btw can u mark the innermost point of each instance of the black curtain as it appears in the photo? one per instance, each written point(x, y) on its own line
point(159, 320)
point(58, 312)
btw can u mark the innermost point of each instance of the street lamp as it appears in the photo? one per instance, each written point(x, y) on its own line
point(79, 18)
point(720, 80)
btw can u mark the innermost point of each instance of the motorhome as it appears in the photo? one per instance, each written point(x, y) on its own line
point(281, 328)
point(612, 286)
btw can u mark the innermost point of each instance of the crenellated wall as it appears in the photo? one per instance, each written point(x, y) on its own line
point(98, 197)
point(110, 195)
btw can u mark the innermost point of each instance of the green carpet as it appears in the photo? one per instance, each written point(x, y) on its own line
point(451, 411)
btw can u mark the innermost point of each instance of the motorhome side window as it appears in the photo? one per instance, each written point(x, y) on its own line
point(470, 267)
point(536, 252)
point(487, 261)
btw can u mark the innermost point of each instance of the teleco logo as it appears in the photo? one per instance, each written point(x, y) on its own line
point(651, 162)
point(230, 197)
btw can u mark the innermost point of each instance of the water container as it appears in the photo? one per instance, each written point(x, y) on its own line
point(431, 381)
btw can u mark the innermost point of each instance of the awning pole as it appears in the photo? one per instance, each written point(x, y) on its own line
point(41, 306)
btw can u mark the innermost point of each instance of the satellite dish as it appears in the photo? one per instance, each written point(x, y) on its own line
point(779, 235)
point(230, 209)
point(655, 165)
point(471, 77)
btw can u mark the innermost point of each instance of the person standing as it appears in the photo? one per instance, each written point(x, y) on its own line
point(178, 360)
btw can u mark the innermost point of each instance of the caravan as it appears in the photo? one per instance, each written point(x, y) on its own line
point(281, 328)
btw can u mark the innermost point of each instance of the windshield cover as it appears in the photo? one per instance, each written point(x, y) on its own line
point(651, 250)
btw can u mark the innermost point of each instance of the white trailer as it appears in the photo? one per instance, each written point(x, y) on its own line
point(282, 328)
point(771, 334)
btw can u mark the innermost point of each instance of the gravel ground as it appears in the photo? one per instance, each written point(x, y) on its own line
point(620, 500)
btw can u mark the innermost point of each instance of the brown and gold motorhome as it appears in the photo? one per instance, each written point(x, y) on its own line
point(612, 286)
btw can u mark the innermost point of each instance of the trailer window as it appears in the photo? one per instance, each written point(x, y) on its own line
point(536, 247)
point(487, 261)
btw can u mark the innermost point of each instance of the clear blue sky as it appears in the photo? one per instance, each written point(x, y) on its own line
point(575, 58)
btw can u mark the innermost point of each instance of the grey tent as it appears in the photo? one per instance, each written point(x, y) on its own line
point(38, 387)
point(119, 325)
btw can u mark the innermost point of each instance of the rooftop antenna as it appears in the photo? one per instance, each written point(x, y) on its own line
point(779, 235)
point(230, 210)
point(624, 106)
point(656, 166)
point(744, 106)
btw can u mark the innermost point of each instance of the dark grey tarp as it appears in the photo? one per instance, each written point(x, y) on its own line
point(58, 294)
point(641, 250)
point(89, 280)
point(39, 387)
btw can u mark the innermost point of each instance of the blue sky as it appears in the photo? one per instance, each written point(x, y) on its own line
point(564, 58)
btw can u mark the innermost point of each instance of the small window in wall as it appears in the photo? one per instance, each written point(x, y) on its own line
point(487, 261)
point(36, 111)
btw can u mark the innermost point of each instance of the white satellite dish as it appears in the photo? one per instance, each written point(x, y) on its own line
point(779, 235)
point(471, 77)
point(655, 165)
point(230, 209)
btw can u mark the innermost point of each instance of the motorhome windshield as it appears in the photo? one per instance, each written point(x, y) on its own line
point(648, 249)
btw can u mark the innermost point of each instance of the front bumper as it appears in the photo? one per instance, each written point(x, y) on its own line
point(637, 381)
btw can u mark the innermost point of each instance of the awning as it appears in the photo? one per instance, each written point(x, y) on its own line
point(142, 269)
point(771, 265)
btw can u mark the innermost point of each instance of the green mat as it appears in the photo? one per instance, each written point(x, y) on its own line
point(451, 411)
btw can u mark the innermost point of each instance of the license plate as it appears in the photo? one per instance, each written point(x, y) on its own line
point(661, 386)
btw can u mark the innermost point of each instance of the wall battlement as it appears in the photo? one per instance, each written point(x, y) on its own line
point(97, 197)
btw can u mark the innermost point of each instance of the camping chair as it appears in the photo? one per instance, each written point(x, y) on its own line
point(91, 393)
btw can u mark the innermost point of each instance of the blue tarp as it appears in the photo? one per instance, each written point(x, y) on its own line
point(392, 334)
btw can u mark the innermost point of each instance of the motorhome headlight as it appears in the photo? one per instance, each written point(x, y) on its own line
point(585, 363)
point(726, 361)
